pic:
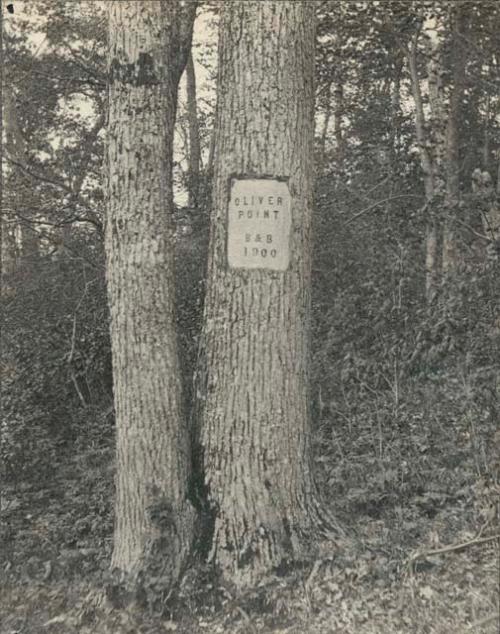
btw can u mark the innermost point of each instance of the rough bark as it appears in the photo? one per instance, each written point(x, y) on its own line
point(148, 46)
point(194, 135)
point(254, 361)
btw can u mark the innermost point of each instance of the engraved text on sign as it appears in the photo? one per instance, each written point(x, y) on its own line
point(259, 221)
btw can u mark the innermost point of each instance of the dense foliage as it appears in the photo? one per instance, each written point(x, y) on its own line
point(405, 390)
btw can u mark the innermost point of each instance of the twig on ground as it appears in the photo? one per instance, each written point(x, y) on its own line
point(487, 619)
point(314, 572)
point(453, 547)
point(246, 618)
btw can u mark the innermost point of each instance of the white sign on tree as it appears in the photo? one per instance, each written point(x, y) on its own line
point(259, 221)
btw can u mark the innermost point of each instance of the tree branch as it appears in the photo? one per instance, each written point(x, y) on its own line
point(376, 204)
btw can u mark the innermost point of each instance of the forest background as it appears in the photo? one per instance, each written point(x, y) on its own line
point(405, 318)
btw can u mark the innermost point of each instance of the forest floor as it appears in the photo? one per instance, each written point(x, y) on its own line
point(422, 557)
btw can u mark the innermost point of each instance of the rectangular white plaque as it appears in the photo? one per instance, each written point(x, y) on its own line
point(259, 221)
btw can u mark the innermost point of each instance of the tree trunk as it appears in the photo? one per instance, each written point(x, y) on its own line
point(16, 151)
point(437, 113)
point(254, 361)
point(148, 46)
point(324, 131)
point(211, 157)
point(458, 67)
point(428, 168)
point(194, 135)
point(8, 261)
point(486, 143)
point(338, 95)
point(86, 148)
point(395, 130)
